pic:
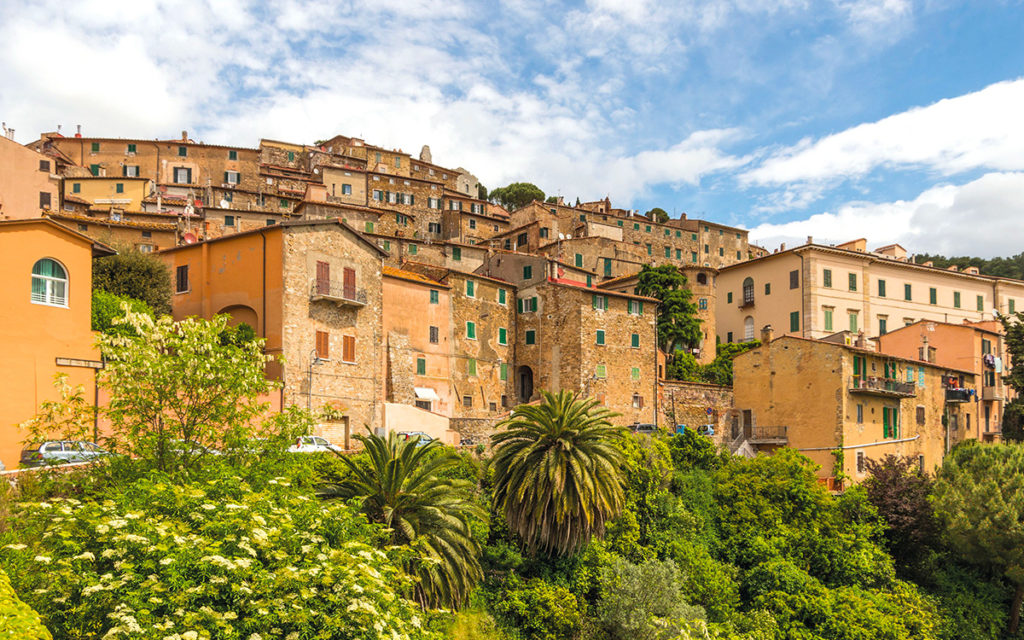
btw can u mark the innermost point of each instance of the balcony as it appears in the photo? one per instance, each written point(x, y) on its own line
point(341, 293)
point(882, 387)
point(768, 435)
point(958, 395)
point(748, 299)
point(992, 393)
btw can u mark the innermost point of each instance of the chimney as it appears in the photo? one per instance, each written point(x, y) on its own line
point(184, 136)
point(782, 247)
point(78, 132)
point(810, 239)
point(767, 333)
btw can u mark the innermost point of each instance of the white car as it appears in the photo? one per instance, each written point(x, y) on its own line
point(313, 444)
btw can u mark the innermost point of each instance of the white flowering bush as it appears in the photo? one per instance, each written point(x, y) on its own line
point(206, 560)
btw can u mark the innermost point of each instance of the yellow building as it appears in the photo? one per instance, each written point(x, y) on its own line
point(815, 290)
point(29, 184)
point(46, 316)
point(105, 193)
point(841, 405)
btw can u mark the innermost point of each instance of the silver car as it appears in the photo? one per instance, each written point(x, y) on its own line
point(312, 444)
point(53, 452)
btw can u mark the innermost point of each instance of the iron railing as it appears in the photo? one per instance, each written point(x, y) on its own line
point(336, 291)
point(882, 386)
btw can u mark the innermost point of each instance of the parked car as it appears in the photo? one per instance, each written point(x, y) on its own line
point(192, 447)
point(424, 437)
point(51, 452)
point(313, 444)
point(640, 427)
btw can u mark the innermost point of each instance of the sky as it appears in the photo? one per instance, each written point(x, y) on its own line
point(894, 120)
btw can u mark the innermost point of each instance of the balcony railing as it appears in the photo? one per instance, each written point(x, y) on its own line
point(882, 387)
point(337, 292)
point(769, 435)
point(958, 395)
point(748, 299)
point(991, 393)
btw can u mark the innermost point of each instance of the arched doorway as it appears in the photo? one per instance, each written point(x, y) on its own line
point(241, 313)
point(524, 382)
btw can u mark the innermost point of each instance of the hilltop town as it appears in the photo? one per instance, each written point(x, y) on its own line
point(394, 287)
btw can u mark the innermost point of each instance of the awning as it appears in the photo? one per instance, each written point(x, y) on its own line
point(426, 393)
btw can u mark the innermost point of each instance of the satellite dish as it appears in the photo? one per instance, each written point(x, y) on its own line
point(568, 236)
point(189, 238)
point(224, 204)
point(995, 313)
point(561, 236)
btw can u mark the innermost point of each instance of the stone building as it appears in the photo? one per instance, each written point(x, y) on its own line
point(313, 290)
point(606, 257)
point(979, 347)
point(821, 398)
point(29, 183)
point(122, 230)
point(600, 344)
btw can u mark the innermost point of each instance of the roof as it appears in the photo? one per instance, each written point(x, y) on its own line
point(411, 276)
point(437, 273)
point(562, 282)
point(866, 255)
point(183, 143)
point(98, 248)
point(970, 327)
point(352, 207)
point(878, 354)
point(284, 225)
point(155, 226)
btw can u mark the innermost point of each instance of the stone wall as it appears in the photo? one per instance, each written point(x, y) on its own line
point(476, 430)
point(696, 404)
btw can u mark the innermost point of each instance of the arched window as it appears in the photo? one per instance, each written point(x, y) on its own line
point(748, 328)
point(748, 291)
point(702, 278)
point(49, 283)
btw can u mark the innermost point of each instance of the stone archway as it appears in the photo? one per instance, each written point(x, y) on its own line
point(524, 383)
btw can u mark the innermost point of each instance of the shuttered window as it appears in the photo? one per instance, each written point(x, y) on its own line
point(348, 348)
point(323, 277)
point(323, 345)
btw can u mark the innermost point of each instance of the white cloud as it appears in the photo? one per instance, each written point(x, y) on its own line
point(983, 130)
point(980, 218)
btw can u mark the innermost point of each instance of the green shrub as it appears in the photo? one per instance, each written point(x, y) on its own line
point(107, 306)
point(216, 557)
point(17, 619)
point(644, 601)
point(539, 610)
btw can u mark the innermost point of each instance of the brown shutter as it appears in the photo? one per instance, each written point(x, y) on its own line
point(348, 349)
point(323, 278)
point(350, 283)
point(323, 345)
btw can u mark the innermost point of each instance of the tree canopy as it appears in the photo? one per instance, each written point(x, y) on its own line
point(516, 195)
point(137, 275)
point(678, 324)
point(658, 215)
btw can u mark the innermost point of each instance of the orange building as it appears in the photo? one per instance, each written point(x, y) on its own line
point(47, 287)
point(28, 182)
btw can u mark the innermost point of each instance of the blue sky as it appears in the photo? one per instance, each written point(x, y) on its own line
point(889, 119)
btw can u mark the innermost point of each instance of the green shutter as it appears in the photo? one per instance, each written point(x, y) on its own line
point(828, 278)
point(635, 340)
point(579, 259)
point(531, 337)
point(640, 308)
point(600, 336)
point(593, 301)
point(472, 366)
point(933, 295)
point(470, 288)
point(471, 330)
point(433, 296)
point(501, 296)
point(794, 321)
point(504, 371)
point(519, 305)
point(502, 336)
point(421, 367)
point(533, 303)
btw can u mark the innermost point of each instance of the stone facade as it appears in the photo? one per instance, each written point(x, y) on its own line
point(706, 408)
point(603, 256)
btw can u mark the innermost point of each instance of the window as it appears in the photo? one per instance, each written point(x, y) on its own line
point(95, 147)
point(599, 302)
point(503, 373)
point(472, 223)
point(434, 296)
point(44, 199)
point(636, 307)
point(607, 267)
point(767, 288)
point(668, 251)
point(369, 227)
point(527, 272)
point(470, 288)
point(933, 296)
point(182, 151)
point(181, 279)
point(77, 188)
point(502, 336)
point(634, 374)
point(890, 422)
point(348, 349)
point(986, 346)
point(283, 203)
point(702, 304)
point(502, 296)
point(471, 330)
point(413, 249)
point(434, 335)
point(920, 415)
point(828, 320)
point(387, 245)
point(131, 148)
point(1013, 305)
point(378, 195)
point(471, 366)
point(634, 340)
point(579, 260)
point(981, 303)
point(853, 282)
point(456, 253)
point(728, 337)
point(638, 401)
point(853, 322)
point(119, 187)
point(906, 292)
point(794, 321)
point(522, 240)
point(531, 337)
point(600, 337)
point(421, 366)
point(860, 458)
point(543, 231)
point(881, 288)
point(860, 414)
point(679, 254)
point(229, 221)
point(83, 227)
point(232, 155)
point(467, 401)
point(707, 249)
point(693, 256)
point(130, 171)
point(882, 328)
point(291, 156)
point(601, 371)
point(94, 169)
point(748, 291)
point(956, 299)
point(49, 283)
point(721, 251)
point(323, 345)
point(728, 297)
point(182, 175)
point(232, 177)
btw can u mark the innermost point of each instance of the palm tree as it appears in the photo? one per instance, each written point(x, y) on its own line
point(558, 472)
point(400, 487)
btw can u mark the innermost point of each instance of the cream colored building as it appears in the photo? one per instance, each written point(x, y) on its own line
point(816, 290)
